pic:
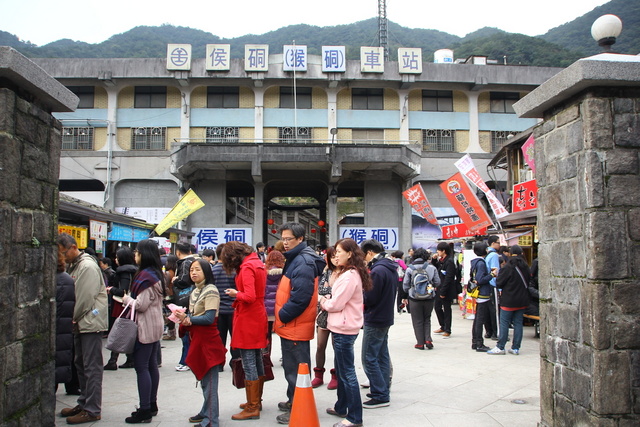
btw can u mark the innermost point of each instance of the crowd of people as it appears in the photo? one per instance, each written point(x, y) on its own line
point(291, 289)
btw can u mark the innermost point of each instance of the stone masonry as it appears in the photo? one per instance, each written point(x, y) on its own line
point(30, 142)
point(588, 173)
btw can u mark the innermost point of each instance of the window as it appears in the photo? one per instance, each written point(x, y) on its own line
point(499, 138)
point(371, 136)
point(303, 97)
point(293, 134)
point(438, 140)
point(150, 97)
point(86, 95)
point(223, 97)
point(222, 134)
point(437, 100)
point(77, 138)
point(148, 138)
point(502, 102)
point(367, 99)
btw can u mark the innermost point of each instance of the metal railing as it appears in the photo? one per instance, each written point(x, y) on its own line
point(304, 141)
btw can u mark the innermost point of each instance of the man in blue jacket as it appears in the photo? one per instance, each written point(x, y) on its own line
point(379, 304)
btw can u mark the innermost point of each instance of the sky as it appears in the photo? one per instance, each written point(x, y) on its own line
point(91, 21)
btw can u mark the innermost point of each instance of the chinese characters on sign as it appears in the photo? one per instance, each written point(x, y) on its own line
point(372, 59)
point(98, 230)
point(179, 57)
point(457, 231)
point(334, 59)
point(294, 58)
point(410, 60)
point(388, 236)
point(525, 196)
point(418, 201)
point(256, 57)
point(528, 151)
point(210, 238)
point(218, 57)
point(466, 166)
point(78, 233)
point(465, 202)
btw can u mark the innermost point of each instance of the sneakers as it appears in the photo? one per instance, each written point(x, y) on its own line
point(283, 418)
point(365, 383)
point(196, 418)
point(446, 334)
point(439, 331)
point(182, 368)
point(374, 403)
point(514, 351)
point(482, 349)
point(332, 411)
point(82, 417)
point(496, 350)
point(284, 406)
point(429, 345)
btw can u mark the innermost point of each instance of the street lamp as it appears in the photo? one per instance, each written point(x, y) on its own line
point(605, 30)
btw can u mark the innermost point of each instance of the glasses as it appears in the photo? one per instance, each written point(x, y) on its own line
point(288, 239)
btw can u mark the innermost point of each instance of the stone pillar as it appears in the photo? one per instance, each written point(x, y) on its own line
point(588, 171)
point(30, 143)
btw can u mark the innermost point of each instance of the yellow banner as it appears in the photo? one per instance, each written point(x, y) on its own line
point(188, 204)
point(78, 233)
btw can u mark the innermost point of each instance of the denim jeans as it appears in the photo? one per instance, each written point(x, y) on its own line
point(293, 353)
point(349, 401)
point(506, 317)
point(376, 361)
point(186, 341)
point(145, 361)
point(210, 407)
point(252, 364)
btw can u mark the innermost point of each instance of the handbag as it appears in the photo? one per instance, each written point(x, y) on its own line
point(124, 332)
point(237, 370)
point(181, 296)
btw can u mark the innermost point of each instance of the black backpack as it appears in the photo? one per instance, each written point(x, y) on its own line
point(423, 288)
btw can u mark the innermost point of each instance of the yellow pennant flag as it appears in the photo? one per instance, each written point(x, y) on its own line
point(188, 204)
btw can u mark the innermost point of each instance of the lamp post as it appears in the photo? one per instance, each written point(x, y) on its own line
point(605, 30)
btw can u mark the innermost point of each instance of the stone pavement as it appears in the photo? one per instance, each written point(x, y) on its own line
point(450, 385)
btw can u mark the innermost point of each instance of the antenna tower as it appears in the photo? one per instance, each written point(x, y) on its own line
point(382, 27)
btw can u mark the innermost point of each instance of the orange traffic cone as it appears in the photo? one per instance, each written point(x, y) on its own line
point(303, 411)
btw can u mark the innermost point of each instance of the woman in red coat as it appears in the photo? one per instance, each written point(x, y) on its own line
point(249, 320)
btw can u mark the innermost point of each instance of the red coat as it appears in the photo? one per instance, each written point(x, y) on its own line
point(250, 315)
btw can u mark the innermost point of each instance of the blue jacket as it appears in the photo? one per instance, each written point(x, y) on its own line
point(493, 261)
point(482, 276)
point(302, 267)
point(224, 281)
point(379, 302)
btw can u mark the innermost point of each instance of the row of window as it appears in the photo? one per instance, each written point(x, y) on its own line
point(361, 99)
point(154, 138)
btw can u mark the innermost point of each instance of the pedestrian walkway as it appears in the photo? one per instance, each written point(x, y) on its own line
point(450, 385)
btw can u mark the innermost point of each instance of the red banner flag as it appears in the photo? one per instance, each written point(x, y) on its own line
point(465, 202)
point(418, 201)
point(460, 230)
point(525, 196)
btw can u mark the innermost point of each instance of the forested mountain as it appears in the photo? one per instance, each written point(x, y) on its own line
point(559, 47)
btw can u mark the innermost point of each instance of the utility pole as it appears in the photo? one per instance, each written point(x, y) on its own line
point(382, 27)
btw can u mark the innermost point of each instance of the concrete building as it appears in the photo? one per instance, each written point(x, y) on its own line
point(143, 133)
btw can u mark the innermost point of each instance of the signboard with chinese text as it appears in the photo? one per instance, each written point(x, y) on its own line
point(81, 234)
point(294, 58)
point(372, 59)
point(98, 230)
point(334, 59)
point(388, 236)
point(125, 233)
point(210, 238)
point(465, 202)
point(525, 196)
point(256, 57)
point(178, 57)
point(418, 201)
point(528, 153)
point(410, 60)
point(218, 57)
point(457, 231)
point(466, 166)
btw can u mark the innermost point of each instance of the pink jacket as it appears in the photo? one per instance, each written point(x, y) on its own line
point(346, 304)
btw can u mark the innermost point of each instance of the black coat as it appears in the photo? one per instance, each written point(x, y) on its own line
point(122, 279)
point(515, 290)
point(448, 272)
point(380, 301)
point(65, 302)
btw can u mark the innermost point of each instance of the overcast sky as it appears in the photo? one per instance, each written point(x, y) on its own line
point(44, 21)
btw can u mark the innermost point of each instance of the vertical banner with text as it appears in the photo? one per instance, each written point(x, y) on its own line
point(418, 201)
point(465, 166)
point(465, 202)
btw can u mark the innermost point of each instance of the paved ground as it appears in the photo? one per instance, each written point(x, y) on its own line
point(450, 385)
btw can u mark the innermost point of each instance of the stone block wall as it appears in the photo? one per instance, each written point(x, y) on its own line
point(30, 142)
point(588, 172)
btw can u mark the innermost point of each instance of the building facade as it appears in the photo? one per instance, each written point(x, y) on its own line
point(143, 133)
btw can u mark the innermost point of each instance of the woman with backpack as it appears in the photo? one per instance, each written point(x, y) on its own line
point(421, 306)
point(480, 278)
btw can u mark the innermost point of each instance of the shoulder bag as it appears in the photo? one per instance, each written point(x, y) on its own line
point(124, 332)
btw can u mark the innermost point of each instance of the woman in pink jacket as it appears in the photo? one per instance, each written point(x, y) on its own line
point(345, 307)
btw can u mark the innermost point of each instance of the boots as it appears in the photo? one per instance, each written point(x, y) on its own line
point(261, 380)
point(139, 416)
point(251, 409)
point(318, 380)
point(128, 364)
point(170, 336)
point(112, 364)
point(333, 384)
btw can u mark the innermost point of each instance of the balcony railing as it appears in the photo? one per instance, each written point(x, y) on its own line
point(298, 141)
